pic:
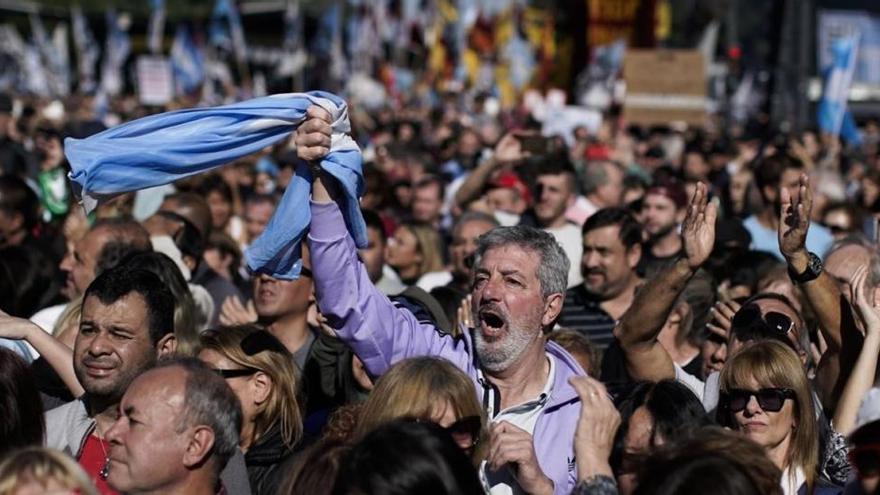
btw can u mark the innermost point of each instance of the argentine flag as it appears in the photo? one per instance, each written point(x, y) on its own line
point(834, 118)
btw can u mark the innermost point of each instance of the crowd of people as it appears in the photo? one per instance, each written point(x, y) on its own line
point(634, 310)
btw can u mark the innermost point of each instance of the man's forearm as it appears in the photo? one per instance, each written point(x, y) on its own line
point(824, 297)
point(644, 319)
point(475, 182)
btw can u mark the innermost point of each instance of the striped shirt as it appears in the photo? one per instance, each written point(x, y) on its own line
point(581, 312)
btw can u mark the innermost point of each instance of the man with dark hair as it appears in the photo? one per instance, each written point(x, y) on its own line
point(373, 256)
point(556, 192)
point(663, 209)
point(127, 324)
point(612, 250)
point(427, 200)
point(19, 211)
point(777, 171)
point(178, 426)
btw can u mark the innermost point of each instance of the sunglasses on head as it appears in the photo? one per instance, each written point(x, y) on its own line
point(769, 399)
point(262, 340)
point(235, 373)
point(866, 459)
point(751, 322)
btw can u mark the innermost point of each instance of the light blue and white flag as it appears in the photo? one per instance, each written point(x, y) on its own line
point(156, 28)
point(166, 147)
point(187, 61)
point(87, 50)
point(226, 31)
point(116, 51)
point(832, 111)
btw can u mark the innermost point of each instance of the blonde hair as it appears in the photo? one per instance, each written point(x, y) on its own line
point(282, 407)
point(428, 245)
point(68, 320)
point(413, 388)
point(771, 363)
point(42, 465)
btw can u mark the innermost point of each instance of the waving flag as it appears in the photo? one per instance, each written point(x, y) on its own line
point(163, 148)
point(157, 26)
point(87, 50)
point(187, 61)
point(833, 115)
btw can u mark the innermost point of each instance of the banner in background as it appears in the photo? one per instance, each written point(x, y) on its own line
point(663, 86)
point(154, 80)
point(834, 24)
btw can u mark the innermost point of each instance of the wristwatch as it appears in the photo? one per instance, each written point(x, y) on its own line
point(814, 269)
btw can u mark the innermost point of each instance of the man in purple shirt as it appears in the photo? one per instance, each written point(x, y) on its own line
point(519, 287)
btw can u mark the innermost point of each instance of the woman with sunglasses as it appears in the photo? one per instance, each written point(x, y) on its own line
point(260, 371)
point(430, 389)
point(766, 396)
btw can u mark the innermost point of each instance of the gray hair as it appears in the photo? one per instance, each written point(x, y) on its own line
point(861, 241)
point(209, 401)
point(553, 263)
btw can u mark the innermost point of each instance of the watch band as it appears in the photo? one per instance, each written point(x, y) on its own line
point(812, 272)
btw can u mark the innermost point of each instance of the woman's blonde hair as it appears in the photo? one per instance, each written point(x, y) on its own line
point(282, 406)
point(413, 388)
point(429, 246)
point(42, 465)
point(771, 363)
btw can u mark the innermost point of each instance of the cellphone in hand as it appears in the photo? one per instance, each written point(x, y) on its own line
point(534, 144)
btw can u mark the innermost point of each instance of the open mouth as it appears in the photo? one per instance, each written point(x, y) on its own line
point(491, 322)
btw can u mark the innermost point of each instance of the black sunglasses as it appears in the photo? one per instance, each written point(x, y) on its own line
point(235, 373)
point(466, 428)
point(770, 399)
point(303, 272)
point(750, 322)
point(866, 459)
point(260, 341)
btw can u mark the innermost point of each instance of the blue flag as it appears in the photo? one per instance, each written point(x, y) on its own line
point(833, 115)
point(187, 61)
point(166, 147)
point(156, 28)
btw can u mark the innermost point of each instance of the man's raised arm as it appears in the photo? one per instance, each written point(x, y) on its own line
point(378, 332)
point(639, 327)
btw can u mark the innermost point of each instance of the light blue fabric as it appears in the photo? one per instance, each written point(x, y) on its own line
point(163, 148)
point(819, 238)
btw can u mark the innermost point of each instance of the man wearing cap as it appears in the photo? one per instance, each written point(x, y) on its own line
point(508, 197)
point(663, 210)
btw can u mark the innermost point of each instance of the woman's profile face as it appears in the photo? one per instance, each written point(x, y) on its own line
point(403, 249)
point(444, 415)
point(239, 385)
point(767, 428)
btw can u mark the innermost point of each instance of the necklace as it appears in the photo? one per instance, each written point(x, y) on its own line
point(105, 469)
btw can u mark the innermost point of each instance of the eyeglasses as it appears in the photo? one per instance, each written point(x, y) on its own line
point(750, 322)
point(770, 399)
point(866, 459)
point(262, 340)
point(235, 373)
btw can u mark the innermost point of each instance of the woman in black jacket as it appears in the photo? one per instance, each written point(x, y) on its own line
point(260, 371)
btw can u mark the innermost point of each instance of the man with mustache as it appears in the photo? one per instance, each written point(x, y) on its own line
point(612, 250)
point(519, 285)
point(127, 324)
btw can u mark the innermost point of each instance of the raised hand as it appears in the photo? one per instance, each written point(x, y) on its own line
point(509, 150)
point(863, 300)
point(698, 229)
point(597, 425)
point(794, 219)
point(722, 317)
point(234, 312)
point(514, 447)
point(312, 138)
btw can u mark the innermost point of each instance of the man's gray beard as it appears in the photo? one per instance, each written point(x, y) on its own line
point(503, 353)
